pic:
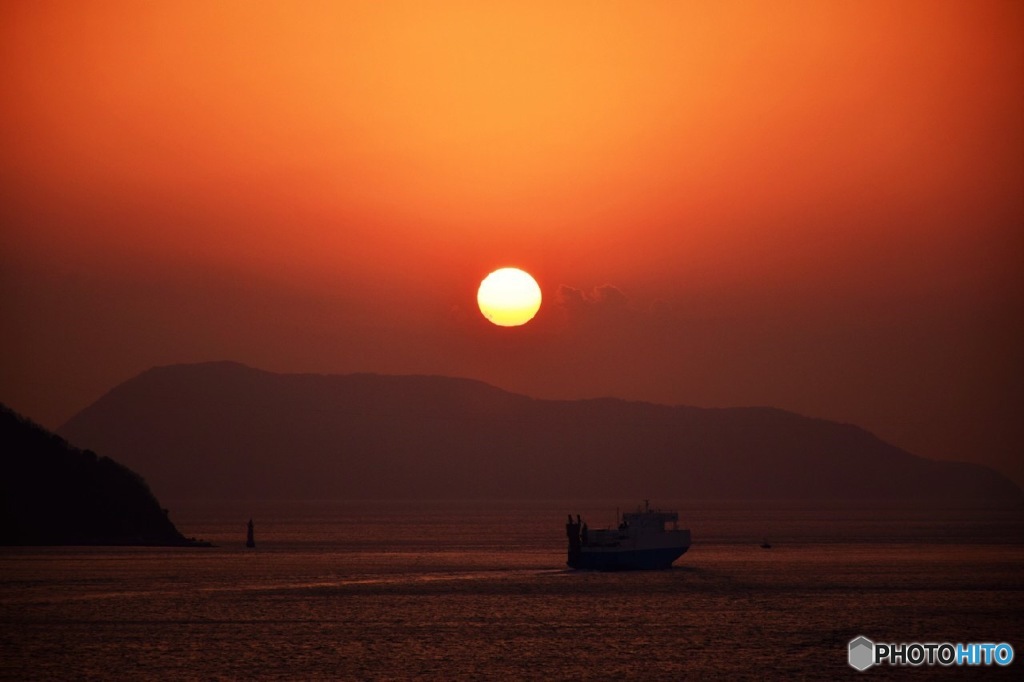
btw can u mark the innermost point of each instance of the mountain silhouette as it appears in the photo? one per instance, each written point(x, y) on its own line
point(54, 494)
point(223, 430)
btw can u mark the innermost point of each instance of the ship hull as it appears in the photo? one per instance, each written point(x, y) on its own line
point(626, 560)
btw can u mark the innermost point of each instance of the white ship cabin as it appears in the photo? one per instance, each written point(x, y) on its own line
point(651, 519)
point(642, 526)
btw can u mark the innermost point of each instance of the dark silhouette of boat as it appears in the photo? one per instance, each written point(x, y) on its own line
point(641, 542)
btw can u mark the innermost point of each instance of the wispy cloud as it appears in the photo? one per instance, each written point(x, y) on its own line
point(604, 298)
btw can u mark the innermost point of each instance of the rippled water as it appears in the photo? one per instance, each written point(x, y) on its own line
point(480, 591)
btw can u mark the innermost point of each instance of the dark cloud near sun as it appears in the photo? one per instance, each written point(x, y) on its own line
point(604, 298)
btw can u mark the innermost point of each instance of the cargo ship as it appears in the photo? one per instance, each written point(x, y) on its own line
point(641, 542)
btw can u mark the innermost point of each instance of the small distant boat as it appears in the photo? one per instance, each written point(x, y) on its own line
point(641, 542)
point(766, 545)
point(250, 539)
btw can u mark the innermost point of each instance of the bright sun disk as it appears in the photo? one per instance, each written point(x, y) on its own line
point(509, 297)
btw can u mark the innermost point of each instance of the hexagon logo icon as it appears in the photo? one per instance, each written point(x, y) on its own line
point(862, 653)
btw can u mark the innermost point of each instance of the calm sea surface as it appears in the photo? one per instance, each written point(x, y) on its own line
point(473, 590)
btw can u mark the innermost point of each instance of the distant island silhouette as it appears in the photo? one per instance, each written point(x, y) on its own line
point(54, 494)
point(224, 430)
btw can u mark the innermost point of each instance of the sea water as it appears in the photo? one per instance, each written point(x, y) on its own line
point(480, 590)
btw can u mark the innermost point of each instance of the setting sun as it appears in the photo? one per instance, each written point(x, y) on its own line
point(509, 297)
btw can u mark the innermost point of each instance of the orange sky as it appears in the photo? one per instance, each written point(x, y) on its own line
point(817, 206)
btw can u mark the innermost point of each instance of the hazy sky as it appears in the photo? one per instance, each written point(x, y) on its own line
point(817, 205)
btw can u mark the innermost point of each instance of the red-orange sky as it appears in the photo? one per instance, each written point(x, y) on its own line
point(817, 206)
